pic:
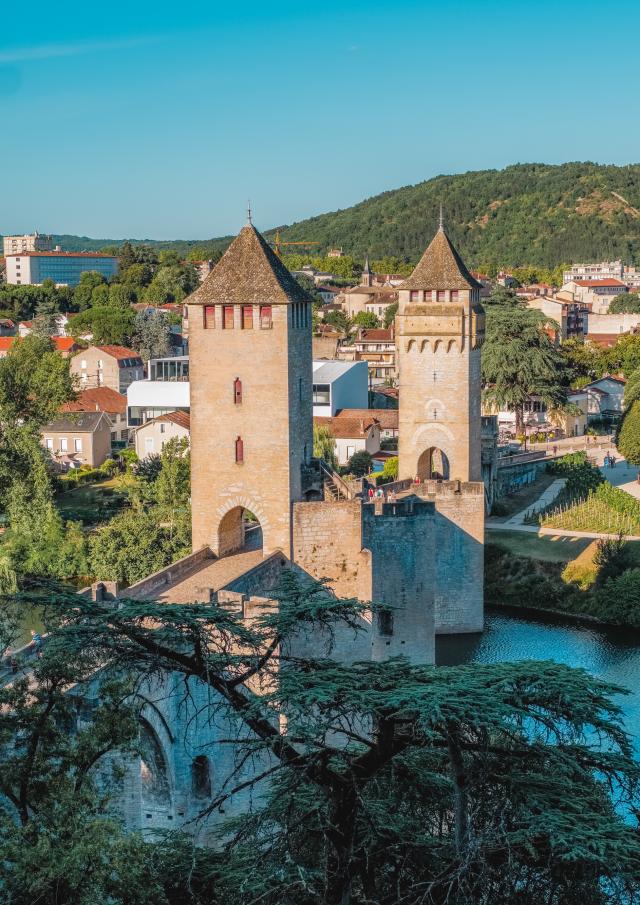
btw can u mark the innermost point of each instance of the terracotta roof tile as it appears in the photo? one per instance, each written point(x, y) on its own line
point(387, 418)
point(602, 283)
point(119, 352)
point(248, 273)
point(102, 399)
point(440, 267)
point(182, 419)
point(345, 428)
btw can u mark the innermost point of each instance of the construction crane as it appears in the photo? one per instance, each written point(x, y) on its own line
point(279, 244)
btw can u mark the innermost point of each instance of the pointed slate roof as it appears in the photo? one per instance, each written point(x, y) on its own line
point(248, 273)
point(440, 267)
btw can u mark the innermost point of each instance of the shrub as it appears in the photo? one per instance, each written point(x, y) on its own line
point(629, 434)
point(619, 599)
point(583, 570)
point(360, 463)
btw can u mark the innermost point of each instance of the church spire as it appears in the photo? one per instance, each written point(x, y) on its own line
point(366, 273)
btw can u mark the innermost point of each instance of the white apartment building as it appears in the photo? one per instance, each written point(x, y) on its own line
point(605, 270)
point(14, 245)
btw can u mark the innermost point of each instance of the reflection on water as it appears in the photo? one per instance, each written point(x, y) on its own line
point(610, 654)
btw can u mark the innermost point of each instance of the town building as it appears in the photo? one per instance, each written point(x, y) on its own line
point(107, 366)
point(65, 268)
point(337, 385)
point(571, 317)
point(152, 436)
point(387, 419)
point(352, 434)
point(376, 346)
point(165, 390)
point(78, 439)
point(14, 245)
point(104, 399)
point(65, 345)
point(611, 326)
point(605, 270)
point(7, 327)
point(605, 397)
point(596, 295)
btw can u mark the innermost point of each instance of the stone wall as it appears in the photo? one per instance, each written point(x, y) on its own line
point(401, 537)
point(327, 543)
point(459, 548)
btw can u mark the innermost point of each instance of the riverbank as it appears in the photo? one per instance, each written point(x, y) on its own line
point(573, 587)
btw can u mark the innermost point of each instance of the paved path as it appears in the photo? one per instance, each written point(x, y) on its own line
point(623, 475)
point(544, 500)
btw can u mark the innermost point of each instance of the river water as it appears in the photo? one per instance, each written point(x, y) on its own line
point(608, 653)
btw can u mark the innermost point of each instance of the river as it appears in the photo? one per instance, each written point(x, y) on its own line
point(608, 653)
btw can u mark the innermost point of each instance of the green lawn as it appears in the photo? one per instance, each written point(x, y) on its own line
point(548, 549)
point(92, 503)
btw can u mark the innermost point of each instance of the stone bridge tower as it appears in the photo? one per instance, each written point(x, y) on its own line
point(439, 332)
point(251, 409)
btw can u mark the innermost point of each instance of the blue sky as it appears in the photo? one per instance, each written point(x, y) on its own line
point(159, 120)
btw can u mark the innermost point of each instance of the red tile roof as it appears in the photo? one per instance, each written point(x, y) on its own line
point(376, 335)
point(119, 352)
point(64, 343)
point(345, 428)
point(387, 418)
point(602, 283)
point(6, 342)
point(182, 419)
point(98, 399)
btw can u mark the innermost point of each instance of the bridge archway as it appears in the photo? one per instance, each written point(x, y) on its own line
point(155, 786)
point(433, 464)
point(239, 529)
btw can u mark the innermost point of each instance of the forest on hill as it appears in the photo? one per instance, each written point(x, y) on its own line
point(537, 214)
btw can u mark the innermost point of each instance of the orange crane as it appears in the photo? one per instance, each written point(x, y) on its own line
point(278, 244)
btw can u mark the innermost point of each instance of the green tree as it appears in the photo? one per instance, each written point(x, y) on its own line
point(519, 359)
point(107, 324)
point(390, 315)
point(134, 544)
point(324, 445)
point(151, 336)
point(337, 319)
point(480, 784)
point(625, 303)
point(360, 463)
point(629, 434)
point(121, 295)
point(584, 361)
point(83, 293)
point(365, 319)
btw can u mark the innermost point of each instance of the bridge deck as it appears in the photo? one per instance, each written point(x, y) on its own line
point(211, 575)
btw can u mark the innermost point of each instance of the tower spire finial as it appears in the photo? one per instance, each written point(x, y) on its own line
point(441, 223)
point(249, 220)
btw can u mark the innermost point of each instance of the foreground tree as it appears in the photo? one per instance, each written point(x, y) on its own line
point(389, 782)
point(629, 434)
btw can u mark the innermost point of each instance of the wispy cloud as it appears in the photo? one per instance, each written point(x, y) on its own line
point(50, 51)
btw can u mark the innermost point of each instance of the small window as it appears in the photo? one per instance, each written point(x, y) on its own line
point(454, 295)
point(64, 444)
point(265, 317)
point(83, 363)
point(237, 391)
point(201, 777)
point(414, 295)
point(77, 444)
point(48, 442)
point(209, 317)
point(442, 295)
point(99, 362)
point(227, 313)
point(163, 428)
point(239, 450)
point(427, 295)
point(247, 317)
point(385, 622)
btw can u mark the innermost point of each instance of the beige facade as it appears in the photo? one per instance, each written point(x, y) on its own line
point(78, 439)
point(15, 245)
point(151, 437)
point(107, 366)
point(251, 379)
point(439, 332)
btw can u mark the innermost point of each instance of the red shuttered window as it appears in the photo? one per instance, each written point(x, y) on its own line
point(265, 317)
point(209, 318)
point(227, 313)
point(247, 317)
point(239, 450)
point(237, 391)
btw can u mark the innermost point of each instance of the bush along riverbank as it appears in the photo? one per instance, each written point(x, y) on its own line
point(602, 583)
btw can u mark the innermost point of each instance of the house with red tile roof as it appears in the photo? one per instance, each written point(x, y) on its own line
point(103, 399)
point(151, 437)
point(107, 366)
